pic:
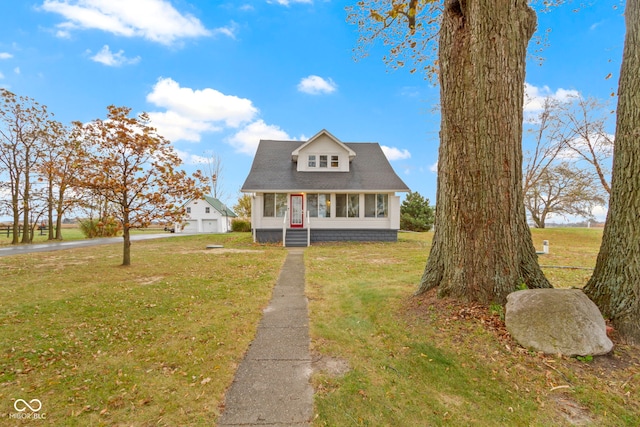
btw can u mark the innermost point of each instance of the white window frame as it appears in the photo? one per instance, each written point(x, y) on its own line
point(335, 161)
point(380, 208)
point(352, 205)
point(279, 207)
point(315, 205)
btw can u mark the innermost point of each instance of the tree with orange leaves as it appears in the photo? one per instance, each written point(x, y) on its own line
point(135, 170)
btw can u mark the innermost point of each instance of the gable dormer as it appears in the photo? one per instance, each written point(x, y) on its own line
point(323, 153)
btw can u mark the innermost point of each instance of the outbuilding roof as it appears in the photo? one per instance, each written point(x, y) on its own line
point(274, 170)
point(220, 207)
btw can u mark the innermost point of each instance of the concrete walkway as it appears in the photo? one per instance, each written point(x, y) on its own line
point(271, 386)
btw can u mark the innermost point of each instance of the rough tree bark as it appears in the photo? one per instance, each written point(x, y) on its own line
point(482, 248)
point(615, 284)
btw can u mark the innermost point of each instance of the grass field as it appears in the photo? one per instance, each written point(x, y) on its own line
point(158, 343)
point(153, 344)
point(418, 361)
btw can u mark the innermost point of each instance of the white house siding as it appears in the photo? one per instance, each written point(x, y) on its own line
point(323, 146)
point(200, 221)
point(390, 222)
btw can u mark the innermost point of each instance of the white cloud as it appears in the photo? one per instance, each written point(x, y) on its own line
point(315, 85)
point(230, 30)
point(191, 112)
point(288, 2)
point(191, 159)
point(5, 55)
point(534, 96)
point(17, 70)
point(1, 75)
point(106, 57)
point(176, 127)
point(393, 153)
point(155, 20)
point(595, 25)
point(434, 167)
point(206, 105)
point(600, 213)
point(246, 140)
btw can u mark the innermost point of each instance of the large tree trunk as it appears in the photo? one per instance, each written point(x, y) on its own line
point(615, 284)
point(482, 248)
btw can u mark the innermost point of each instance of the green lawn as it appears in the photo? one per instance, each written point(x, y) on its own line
point(158, 343)
point(153, 344)
point(425, 362)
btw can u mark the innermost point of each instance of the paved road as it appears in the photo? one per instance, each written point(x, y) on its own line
point(57, 246)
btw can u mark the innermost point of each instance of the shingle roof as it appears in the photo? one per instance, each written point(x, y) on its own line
point(220, 207)
point(273, 170)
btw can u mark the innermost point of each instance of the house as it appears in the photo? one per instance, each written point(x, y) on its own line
point(323, 190)
point(207, 215)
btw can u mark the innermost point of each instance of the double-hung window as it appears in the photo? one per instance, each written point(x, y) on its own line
point(376, 205)
point(319, 205)
point(275, 205)
point(312, 161)
point(348, 205)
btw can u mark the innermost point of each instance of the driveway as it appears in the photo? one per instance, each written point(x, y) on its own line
point(58, 246)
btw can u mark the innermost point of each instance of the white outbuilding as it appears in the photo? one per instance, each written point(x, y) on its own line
point(206, 215)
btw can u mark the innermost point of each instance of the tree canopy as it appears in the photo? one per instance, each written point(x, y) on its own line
point(135, 170)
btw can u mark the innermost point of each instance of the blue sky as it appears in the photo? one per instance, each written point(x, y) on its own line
point(216, 76)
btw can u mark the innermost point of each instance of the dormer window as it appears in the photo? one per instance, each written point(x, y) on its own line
point(323, 153)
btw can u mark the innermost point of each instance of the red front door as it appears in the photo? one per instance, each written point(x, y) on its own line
point(297, 213)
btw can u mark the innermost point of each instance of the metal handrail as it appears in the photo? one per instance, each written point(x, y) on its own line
point(284, 227)
point(308, 229)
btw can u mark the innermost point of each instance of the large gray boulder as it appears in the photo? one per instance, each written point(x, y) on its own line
point(557, 321)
